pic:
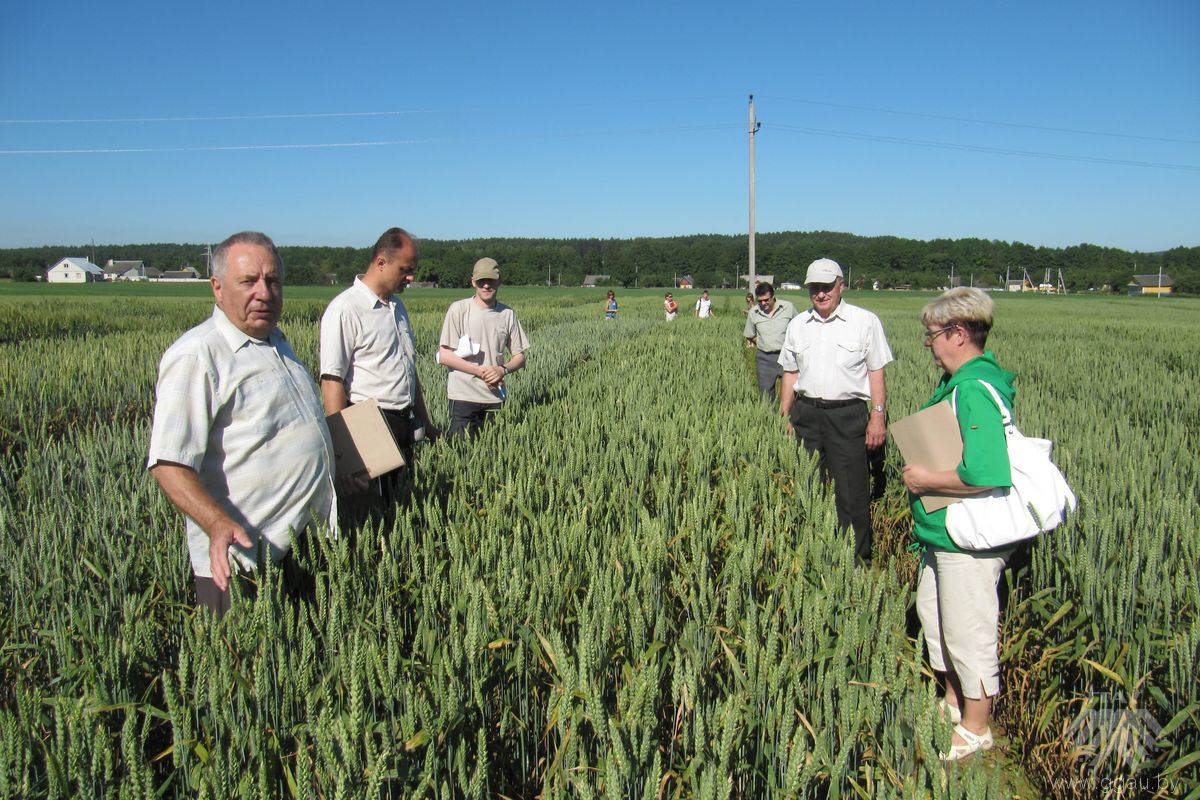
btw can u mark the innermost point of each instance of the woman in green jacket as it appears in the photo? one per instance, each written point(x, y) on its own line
point(956, 595)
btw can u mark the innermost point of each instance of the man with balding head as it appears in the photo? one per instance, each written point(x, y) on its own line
point(368, 351)
point(239, 442)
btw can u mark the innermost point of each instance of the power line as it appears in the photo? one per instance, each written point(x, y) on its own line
point(227, 118)
point(989, 121)
point(983, 149)
point(381, 143)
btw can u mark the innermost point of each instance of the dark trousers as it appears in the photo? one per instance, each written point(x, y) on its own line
point(839, 436)
point(468, 418)
point(296, 582)
point(378, 501)
point(766, 366)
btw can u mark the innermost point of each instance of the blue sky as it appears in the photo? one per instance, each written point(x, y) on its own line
point(325, 123)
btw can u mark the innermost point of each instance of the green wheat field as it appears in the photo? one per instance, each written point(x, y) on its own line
point(630, 585)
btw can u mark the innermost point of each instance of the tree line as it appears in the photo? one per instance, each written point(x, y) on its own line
point(711, 260)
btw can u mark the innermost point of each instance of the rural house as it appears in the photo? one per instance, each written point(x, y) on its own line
point(74, 269)
point(1151, 284)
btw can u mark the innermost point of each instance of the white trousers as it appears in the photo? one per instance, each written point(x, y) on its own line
point(960, 614)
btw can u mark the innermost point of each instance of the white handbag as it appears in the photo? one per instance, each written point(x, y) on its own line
point(1036, 502)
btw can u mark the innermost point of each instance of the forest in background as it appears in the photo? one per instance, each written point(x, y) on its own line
point(712, 260)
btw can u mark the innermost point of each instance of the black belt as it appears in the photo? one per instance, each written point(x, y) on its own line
point(769, 352)
point(817, 402)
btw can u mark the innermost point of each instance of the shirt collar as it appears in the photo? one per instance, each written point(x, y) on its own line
point(237, 338)
point(813, 316)
point(368, 296)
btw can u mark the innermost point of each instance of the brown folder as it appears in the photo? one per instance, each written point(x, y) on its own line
point(362, 441)
point(930, 438)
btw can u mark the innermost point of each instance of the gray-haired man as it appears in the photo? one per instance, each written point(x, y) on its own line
point(239, 442)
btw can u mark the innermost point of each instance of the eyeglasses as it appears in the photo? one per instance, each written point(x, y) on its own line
point(931, 335)
point(818, 288)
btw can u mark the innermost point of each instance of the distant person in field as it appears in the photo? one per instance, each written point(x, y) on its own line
point(239, 442)
point(766, 325)
point(482, 343)
point(749, 304)
point(670, 307)
point(703, 308)
point(834, 395)
point(368, 351)
point(956, 595)
point(610, 306)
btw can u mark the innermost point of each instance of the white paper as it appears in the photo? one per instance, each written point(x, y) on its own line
point(466, 347)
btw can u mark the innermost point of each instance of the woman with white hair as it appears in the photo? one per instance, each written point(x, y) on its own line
point(956, 595)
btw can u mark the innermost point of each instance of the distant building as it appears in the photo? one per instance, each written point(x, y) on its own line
point(685, 282)
point(113, 269)
point(184, 273)
point(74, 269)
point(791, 286)
point(1151, 284)
point(591, 281)
point(757, 280)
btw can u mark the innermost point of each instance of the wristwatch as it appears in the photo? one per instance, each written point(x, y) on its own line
point(878, 407)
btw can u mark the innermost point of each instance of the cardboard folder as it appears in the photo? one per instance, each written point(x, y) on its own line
point(362, 441)
point(930, 438)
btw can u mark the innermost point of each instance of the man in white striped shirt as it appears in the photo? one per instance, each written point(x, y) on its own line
point(239, 442)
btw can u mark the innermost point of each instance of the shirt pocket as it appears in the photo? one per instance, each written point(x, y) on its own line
point(802, 356)
point(852, 357)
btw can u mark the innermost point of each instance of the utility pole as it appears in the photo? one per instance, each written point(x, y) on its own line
point(208, 259)
point(754, 126)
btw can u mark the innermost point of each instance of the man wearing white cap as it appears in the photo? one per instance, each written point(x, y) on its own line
point(834, 395)
point(476, 334)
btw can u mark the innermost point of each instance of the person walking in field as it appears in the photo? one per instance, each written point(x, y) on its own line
point(368, 351)
point(834, 395)
point(477, 334)
point(703, 308)
point(670, 307)
point(239, 442)
point(956, 595)
point(766, 325)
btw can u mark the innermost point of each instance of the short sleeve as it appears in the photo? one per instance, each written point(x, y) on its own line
point(985, 446)
point(750, 331)
point(451, 328)
point(517, 341)
point(183, 411)
point(879, 354)
point(787, 353)
point(336, 355)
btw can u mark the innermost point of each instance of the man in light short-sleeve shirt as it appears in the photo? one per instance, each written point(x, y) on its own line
point(239, 442)
point(834, 394)
point(477, 334)
point(368, 351)
point(766, 325)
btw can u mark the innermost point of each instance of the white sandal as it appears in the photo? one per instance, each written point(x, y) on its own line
point(973, 743)
point(952, 713)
